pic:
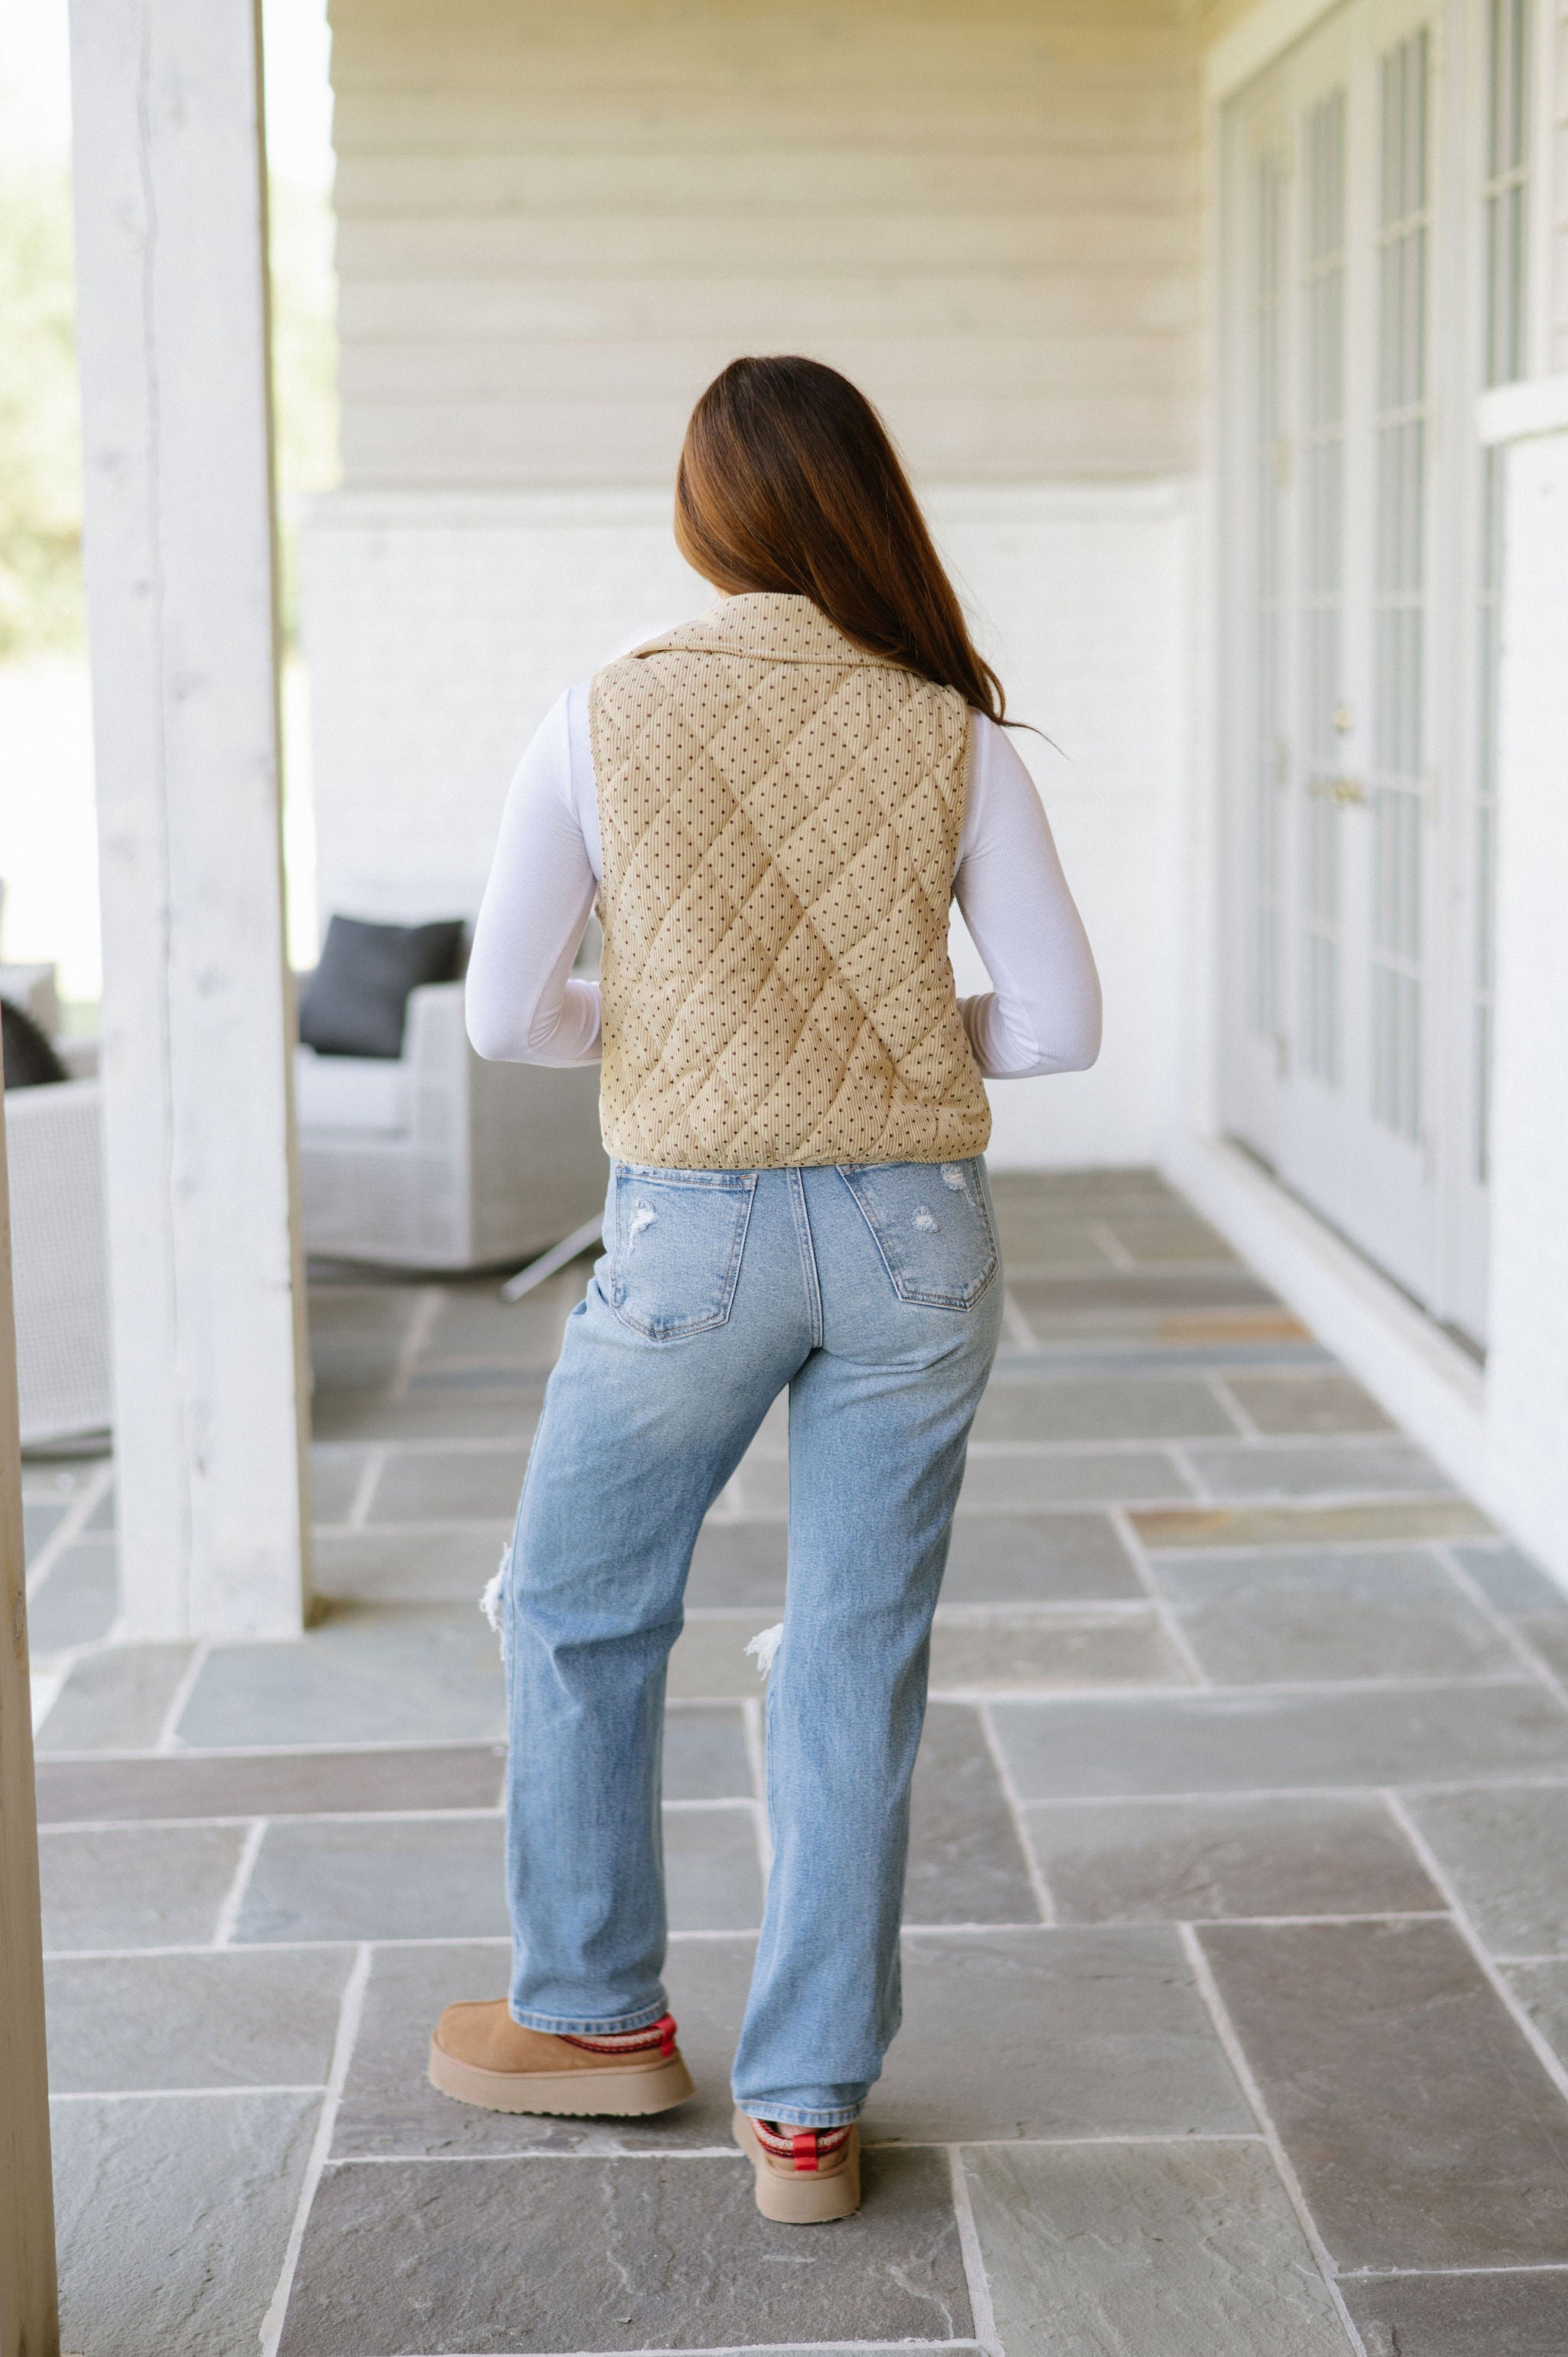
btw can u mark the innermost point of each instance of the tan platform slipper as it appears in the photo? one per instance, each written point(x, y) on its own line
point(480, 2055)
point(804, 2176)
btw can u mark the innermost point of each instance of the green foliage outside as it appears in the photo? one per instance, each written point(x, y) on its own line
point(41, 608)
point(40, 436)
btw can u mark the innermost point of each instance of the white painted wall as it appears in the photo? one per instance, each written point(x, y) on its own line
point(554, 227)
point(442, 627)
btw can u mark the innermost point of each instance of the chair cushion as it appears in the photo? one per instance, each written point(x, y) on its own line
point(363, 1094)
point(30, 1061)
point(356, 1001)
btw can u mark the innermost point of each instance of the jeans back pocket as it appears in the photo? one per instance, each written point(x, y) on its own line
point(676, 1247)
point(932, 1225)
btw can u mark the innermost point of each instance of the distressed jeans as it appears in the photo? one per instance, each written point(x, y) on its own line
point(875, 1294)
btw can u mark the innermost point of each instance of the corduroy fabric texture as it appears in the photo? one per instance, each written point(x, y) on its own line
point(780, 815)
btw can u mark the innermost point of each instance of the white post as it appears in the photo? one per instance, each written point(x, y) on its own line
point(29, 2319)
point(1527, 1365)
point(208, 1291)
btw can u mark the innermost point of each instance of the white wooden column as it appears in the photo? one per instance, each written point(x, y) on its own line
point(1527, 1363)
point(29, 2321)
point(203, 1230)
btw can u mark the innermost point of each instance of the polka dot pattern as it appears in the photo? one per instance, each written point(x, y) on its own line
point(780, 815)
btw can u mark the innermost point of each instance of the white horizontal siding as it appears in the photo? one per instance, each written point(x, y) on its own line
point(556, 225)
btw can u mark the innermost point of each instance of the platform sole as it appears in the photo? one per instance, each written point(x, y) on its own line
point(619, 2092)
point(805, 2197)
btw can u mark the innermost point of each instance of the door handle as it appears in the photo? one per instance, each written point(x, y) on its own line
point(1339, 789)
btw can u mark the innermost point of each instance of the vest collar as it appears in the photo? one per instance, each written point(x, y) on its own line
point(769, 625)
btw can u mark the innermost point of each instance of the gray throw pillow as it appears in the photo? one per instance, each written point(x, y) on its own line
point(356, 1001)
point(30, 1061)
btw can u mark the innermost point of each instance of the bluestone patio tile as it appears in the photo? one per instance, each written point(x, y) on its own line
point(280, 1783)
point(390, 2107)
point(1057, 2032)
point(1019, 1479)
point(1249, 1742)
point(1036, 1558)
point(705, 1755)
point(135, 1886)
point(1504, 1849)
point(416, 1674)
point(713, 1872)
point(77, 1602)
point(357, 1333)
point(1509, 1579)
point(334, 1478)
point(467, 2255)
point(1542, 1992)
point(739, 1563)
point(1380, 2049)
point(403, 1564)
point(236, 2017)
point(1373, 1519)
point(377, 1878)
point(1167, 1233)
point(1461, 2315)
point(40, 1520)
point(172, 2217)
point(762, 1483)
point(1373, 1468)
point(430, 1415)
point(1546, 1633)
point(1299, 1614)
point(965, 1863)
point(104, 1514)
point(1065, 1303)
point(1035, 1243)
point(473, 1322)
point(1292, 1402)
point(1187, 2250)
point(1013, 1648)
point(448, 1485)
point(1174, 1861)
point(116, 1700)
point(1115, 1407)
point(710, 1659)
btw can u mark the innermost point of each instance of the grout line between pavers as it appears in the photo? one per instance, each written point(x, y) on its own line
point(370, 1472)
point(1115, 1252)
point(1181, 1643)
point(1551, 2062)
point(1199, 1491)
point(165, 1741)
point(1013, 1799)
point(1229, 1404)
point(426, 1309)
point(72, 1526)
point(1236, 2055)
point(1443, 1549)
point(1406, 2275)
point(981, 2311)
point(1014, 1324)
point(350, 2011)
point(229, 1913)
point(171, 2094)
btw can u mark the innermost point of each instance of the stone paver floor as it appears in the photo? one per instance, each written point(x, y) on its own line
point(1237, 1957)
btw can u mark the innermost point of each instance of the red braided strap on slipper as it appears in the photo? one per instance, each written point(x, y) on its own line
point(659, 2038)
point(809, 2148)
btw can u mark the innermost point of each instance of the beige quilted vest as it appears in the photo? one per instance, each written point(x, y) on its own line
point(780, 815)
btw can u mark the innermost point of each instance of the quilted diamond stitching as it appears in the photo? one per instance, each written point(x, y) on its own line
point(780, 828)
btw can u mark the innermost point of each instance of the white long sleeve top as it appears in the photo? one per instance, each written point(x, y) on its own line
point(524, 1005)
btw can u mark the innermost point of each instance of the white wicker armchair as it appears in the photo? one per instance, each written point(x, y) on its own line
point(439, 1160)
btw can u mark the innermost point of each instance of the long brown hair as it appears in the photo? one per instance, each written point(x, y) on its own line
point(789, 482)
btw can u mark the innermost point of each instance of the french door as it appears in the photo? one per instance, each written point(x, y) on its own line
point(1372, 279)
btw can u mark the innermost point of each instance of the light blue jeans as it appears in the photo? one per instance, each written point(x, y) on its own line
point(875, 1294)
